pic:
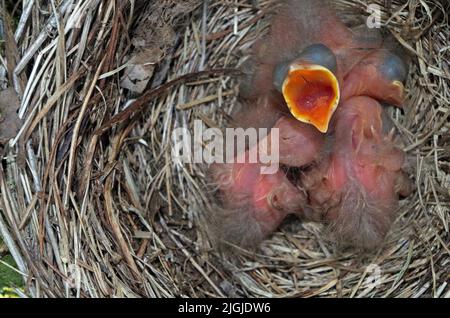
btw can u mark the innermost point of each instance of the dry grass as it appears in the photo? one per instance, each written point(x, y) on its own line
point(92, 203)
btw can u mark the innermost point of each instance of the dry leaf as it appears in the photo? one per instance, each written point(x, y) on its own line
point(140, 69)
point(152, 39)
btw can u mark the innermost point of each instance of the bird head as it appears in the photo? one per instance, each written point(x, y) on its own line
point(309, 85)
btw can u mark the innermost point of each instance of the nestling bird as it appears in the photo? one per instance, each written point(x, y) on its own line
point(355, 189)
point(321, 84)
point(320, 52)
point(252, 205)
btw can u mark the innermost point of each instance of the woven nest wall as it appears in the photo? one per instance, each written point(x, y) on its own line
point(93, 204)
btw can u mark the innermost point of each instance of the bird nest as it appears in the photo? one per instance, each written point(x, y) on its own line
point(93, 204)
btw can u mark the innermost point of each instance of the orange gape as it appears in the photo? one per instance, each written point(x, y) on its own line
point(311, 97)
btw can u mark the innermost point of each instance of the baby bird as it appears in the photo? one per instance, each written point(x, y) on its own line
point(355, 189)
point(251, 205)
point(308, 59)
point(320, 84)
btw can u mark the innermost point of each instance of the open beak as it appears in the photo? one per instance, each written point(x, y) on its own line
point(309, 86)
point(312, 94)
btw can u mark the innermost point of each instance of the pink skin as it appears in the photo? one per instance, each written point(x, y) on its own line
point(299, 143)
point(290, 33)
point(269, 198)
point(361, 155)
point(356, 188)
point(367, 78)
point(253, 204)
